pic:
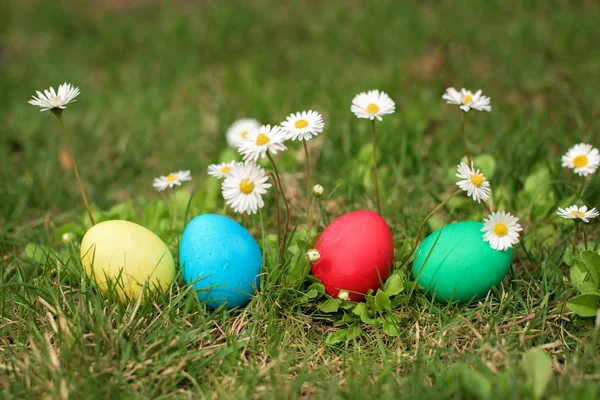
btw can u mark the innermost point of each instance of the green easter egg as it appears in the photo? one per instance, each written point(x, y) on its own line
point(461, 267)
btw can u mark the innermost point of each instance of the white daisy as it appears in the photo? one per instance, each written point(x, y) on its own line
point(244, 186)
point(473, 182)
point(574, 212)
point(303, 125)
point(501, 230)
point(582, 158)
point(174, 178)
point(239, 129)
point(50, 99)
point(261, 140)
point(372, 104)
point(220, 170)
point(467, 100)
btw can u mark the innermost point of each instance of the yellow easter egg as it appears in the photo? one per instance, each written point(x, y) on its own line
point(123, 256)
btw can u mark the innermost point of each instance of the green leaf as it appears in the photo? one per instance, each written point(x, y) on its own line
point(312, 293)
point(487, 164)
point(569, 257)
point(228, 154)
point(346, 305)
point(207, 199)
point(154, 212)
point(537, 366)
point(578, 273)
point(591, 259)
point(318, 286)
point(476, 383)
point(436, 222)
point(336, 337)
point(536, 195)
point(182, 199)
point(382, 301)
point(460, 203)
point(588, 287)
point(37, 253)
point(402, 249)
point(503, 197)
point(328, 306)
point(394, 285)
point(353, 332)
point(362, 311)
point(584, 305)
point(297, 270)
point(537, 183)
point(390, 328)
point(370, 299)
point(70, 228)
point(125, 210)
point(270, 252)
point(348, 319)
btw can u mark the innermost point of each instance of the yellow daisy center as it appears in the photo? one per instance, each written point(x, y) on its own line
point(244, 134)
point(301, 123)
point(468, 99)
point(500, 230)
point(580, 161)
point(372, 108)
point(246, 186)
point(577, 213)
point(262, 139)
point(171, 178)
point(225, 169)
point(477, 179)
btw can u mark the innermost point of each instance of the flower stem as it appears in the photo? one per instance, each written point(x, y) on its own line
point(279, 245)
point(581, 188)
point(308, 195)
point(575, 237)
point(442, 204)
point(464, 138)
point(174, 209)
point(66, 137)
point(323, 214)
point(374, 140)
point(285, 202)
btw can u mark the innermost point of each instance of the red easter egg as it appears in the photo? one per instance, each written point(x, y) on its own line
point(357, 254)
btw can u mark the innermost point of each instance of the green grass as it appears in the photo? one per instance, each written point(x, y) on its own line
point(162, 81)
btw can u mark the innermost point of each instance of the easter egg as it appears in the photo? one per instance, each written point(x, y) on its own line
point(461, 266)
point(357, 254)
point(221, 259)
point(123, 256)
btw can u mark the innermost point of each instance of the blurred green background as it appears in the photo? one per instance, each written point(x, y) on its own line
point(162, 80)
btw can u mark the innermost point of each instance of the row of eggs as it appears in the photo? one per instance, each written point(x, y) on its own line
point(223, 260)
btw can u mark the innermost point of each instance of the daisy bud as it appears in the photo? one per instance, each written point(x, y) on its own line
point(317, 191)
point(313, 256)
point(344, 295)
point(68, 237)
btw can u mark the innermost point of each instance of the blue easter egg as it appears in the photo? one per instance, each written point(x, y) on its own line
point(221, 259)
